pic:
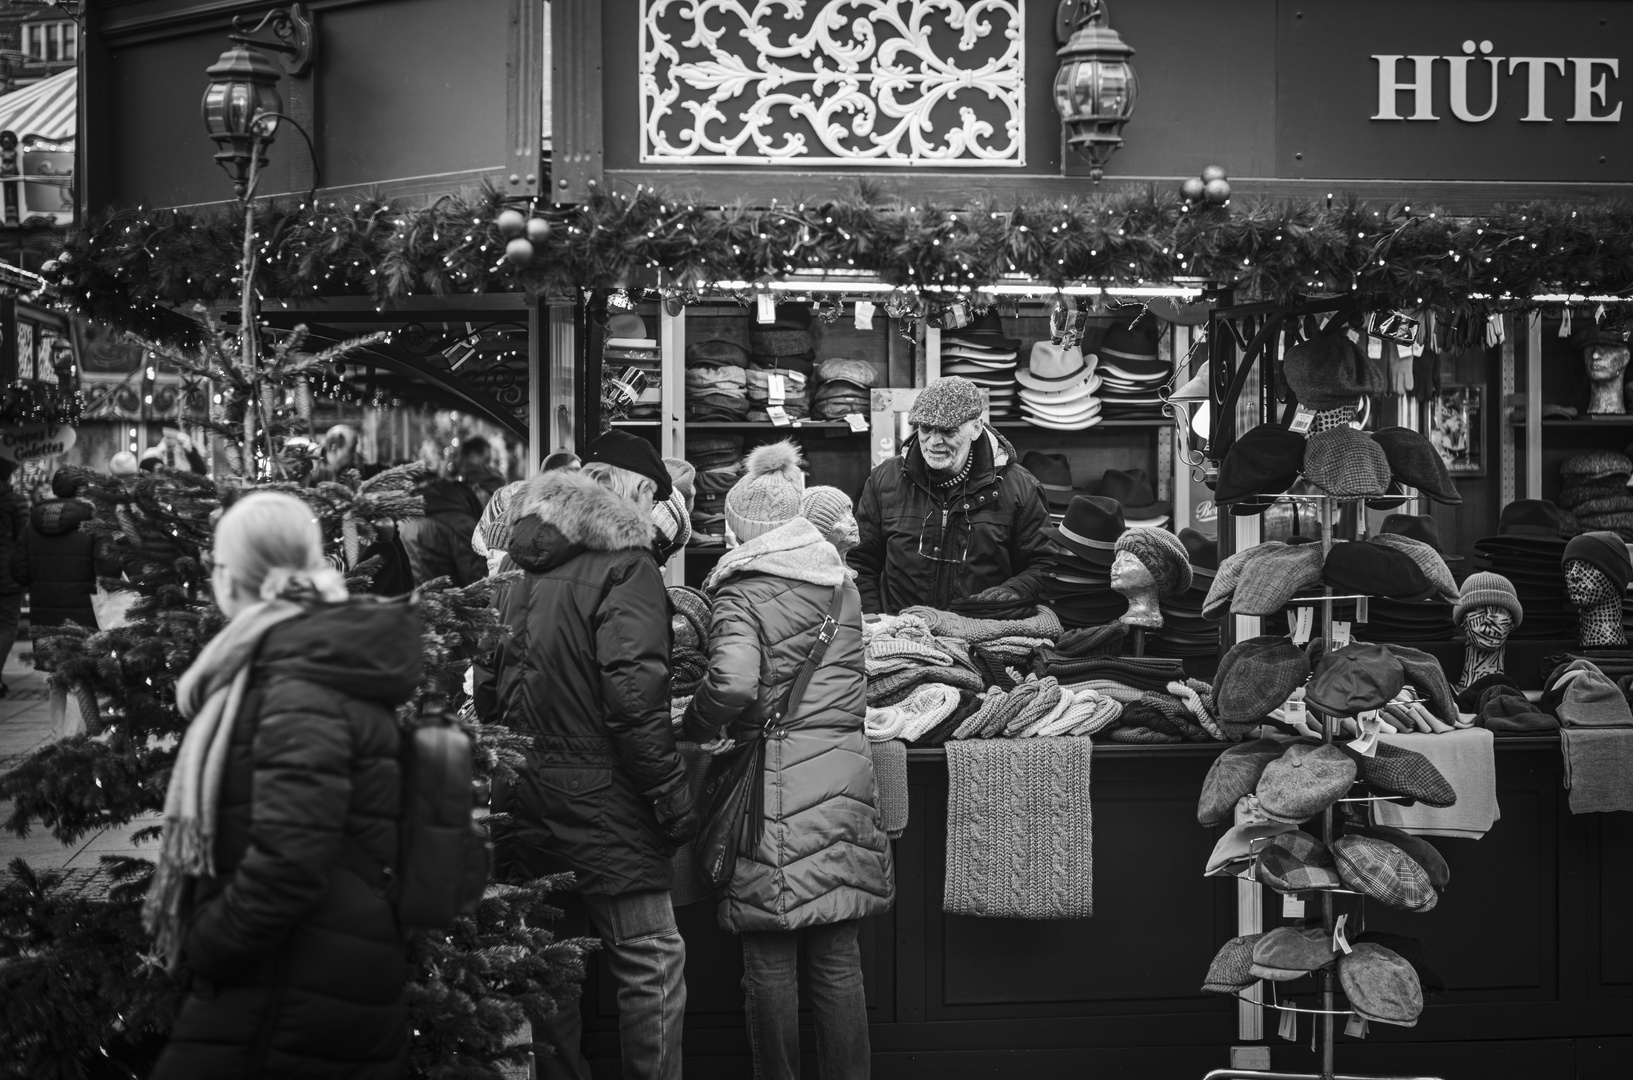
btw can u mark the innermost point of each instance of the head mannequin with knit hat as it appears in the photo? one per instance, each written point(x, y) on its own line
point(1597, 569)
point(1150, 565)
point(1488, 609)
point(768, 495)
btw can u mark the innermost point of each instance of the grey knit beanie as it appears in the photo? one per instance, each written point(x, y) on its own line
point(946, 403)
point(769, 493)
point(1160, 552)
point(1488, 590)
point(830, 510)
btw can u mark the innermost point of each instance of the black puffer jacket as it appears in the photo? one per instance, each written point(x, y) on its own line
point(439, 544)
point(58, 563)
point(13, 520)
point(987, 531)
point(584, 669)
point(299, 967)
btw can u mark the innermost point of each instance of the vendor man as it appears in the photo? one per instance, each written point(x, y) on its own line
point(954, 515)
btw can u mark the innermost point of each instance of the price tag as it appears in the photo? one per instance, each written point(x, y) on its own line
point(1375, 348)
point(857, 421)
point(765, 307)
point(1303, 619)
point(774, 389)
point(1357, 1026)
point(1295, 713)
point(779, 415)
point(1339, 941)
point(1292, 907)
point(1340, 634)
point(1288, 1026)
point(864, 314)
point(1302, 419)
point(1370, 725)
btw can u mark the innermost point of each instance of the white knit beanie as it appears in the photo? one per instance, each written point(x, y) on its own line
point(769, 493)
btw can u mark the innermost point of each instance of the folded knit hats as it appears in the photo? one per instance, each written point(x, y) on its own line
point(1507, 711)
point(1256, 676)
point(1161, 553)
point(1485, 589)
point(1233, 774)
point(1346, 463)
point(1355, 679)
point(690, 621)
point(1382, 871)
point(1584, 696)
point(1295, 862)
point(1331, 371)
point(1414, 461)
point(1380, 985)
point(1304, 781)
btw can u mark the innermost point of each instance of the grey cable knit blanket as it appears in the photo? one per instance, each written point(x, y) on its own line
point(1019, 830)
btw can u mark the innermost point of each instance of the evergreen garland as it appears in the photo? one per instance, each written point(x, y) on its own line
point(133, 268)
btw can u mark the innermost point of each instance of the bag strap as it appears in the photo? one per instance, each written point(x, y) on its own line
point(825, 635)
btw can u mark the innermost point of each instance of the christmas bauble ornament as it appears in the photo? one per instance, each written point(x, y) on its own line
point(519, 251)
point(1213, 172)
point(1192, 189)
point(511, 223)
point(538, 230)
point(1216, 192)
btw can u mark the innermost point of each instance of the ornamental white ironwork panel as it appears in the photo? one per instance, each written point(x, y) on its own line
point(841, 82)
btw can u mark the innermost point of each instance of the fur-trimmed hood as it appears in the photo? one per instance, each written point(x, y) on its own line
point(559, 514)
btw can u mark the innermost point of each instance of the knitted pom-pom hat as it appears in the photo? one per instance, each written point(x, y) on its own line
point(769, 493)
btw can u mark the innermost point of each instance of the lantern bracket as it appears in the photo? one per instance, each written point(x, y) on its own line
point(1072, 14)
point(296, 40)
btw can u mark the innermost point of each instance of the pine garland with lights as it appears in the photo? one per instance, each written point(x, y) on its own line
point(134, 268)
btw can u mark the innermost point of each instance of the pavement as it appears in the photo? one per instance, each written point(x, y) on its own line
point(25, 726)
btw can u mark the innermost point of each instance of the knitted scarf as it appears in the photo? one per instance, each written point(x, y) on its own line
point(209, 695)
point(795, 551)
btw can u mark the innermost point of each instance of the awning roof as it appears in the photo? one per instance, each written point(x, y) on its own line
point(46, 109)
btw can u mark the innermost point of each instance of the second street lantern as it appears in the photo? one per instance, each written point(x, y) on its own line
point(241, 106)
point(1096, 88)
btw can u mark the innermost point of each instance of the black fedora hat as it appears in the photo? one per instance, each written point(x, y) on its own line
point(1054, 474)
point(985, 332)
point(1420, 527)
point(1090, 528)
point(1531, 524)
point(1134, 491)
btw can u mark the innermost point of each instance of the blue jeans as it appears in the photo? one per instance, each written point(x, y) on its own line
point(833, 963)
point(648, 959)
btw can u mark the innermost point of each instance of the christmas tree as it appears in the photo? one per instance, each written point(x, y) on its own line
point(80, 995)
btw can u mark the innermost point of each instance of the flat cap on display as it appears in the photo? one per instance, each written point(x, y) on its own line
point(1295, 862)
point(1346, 463)
point(1233, 774)
point(1395, 770)
point(1256, 676)
point(1240, 845)
point(1265, 461)
point(1287, 953)
point(1304, 781)
point(1380, 985)
point(1414, 461)
point(1230, 970)
point(1329, 371)
point(1382, 871)
point(1355, 679)
point(1268, 582)
point(1367, 569)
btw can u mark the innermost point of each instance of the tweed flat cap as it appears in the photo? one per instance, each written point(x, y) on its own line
point(780, 342)
point(1413, 952)
point(1395, 770)
point(843, 368)
point(1160, 552)
point(716, 353)
point(1265, 461)
point(1380, 985)
point(1286, 953)
point(1379, 869)
point(1275, 577)
point(1414, 461)
point(1417, 848)
point(947, 403)
point(1225, 579)
point(1355, 679)
point(1595, 465)
point(1295, 862)
point(1485, 589)
point(1229, 971)
point(1304, 781)
point(1427, 559)
point(1346, 463)
point(1240, 845)
point(1233, 774)
point(1256, 676)
point(1330, 371)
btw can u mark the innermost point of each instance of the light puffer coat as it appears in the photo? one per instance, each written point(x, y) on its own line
point(824, 856)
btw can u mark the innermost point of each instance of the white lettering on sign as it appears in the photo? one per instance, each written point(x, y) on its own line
point(33, 441)
point(1590, 83)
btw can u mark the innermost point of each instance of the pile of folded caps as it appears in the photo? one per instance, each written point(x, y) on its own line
point(1428, 620)
point(1057, 388)
point(842, 388)
point(995, 646)
point(1077, 574)
point(1265, 578)
point(776, 386)
point(785, 343)
point(1053, 473)
point(716, 381)
point(628, 346)
point(718, 460)
point(1133, 492)
point(1346, 462)
point(689, 617)
point(1528, 550)
point(983, 354)
point(1378, 982)
point(1594, 491)
point(1130, 371)
point(1184, 631)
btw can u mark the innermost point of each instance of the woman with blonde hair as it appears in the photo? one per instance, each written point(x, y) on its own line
point(281, 818)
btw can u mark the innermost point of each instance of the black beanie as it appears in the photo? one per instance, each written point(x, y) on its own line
point(1607, 551)
point(635, 454)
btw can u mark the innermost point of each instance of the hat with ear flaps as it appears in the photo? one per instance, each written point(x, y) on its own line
point(769, 493)
point(1330, 371)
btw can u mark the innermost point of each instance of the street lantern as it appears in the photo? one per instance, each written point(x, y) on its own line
point(1095, 88)
point(241, 108)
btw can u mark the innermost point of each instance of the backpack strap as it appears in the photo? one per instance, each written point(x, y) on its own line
point(825, 635)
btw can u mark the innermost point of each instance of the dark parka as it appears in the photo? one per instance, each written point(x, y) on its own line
point(58, 563)
point(988, 530)
point(824, 856)
point(439, 543)
point(584, 670)
point(299, 969)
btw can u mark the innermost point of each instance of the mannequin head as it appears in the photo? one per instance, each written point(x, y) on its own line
point(1605, 363)
point(1599, 602)
point(1488, 627)
point(1133, 579)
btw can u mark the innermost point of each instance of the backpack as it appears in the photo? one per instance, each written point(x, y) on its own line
point(445, 856)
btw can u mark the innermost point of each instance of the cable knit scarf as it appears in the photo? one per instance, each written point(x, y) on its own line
point(209, 695)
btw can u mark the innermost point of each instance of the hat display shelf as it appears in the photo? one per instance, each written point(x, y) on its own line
point(1327, 1016)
